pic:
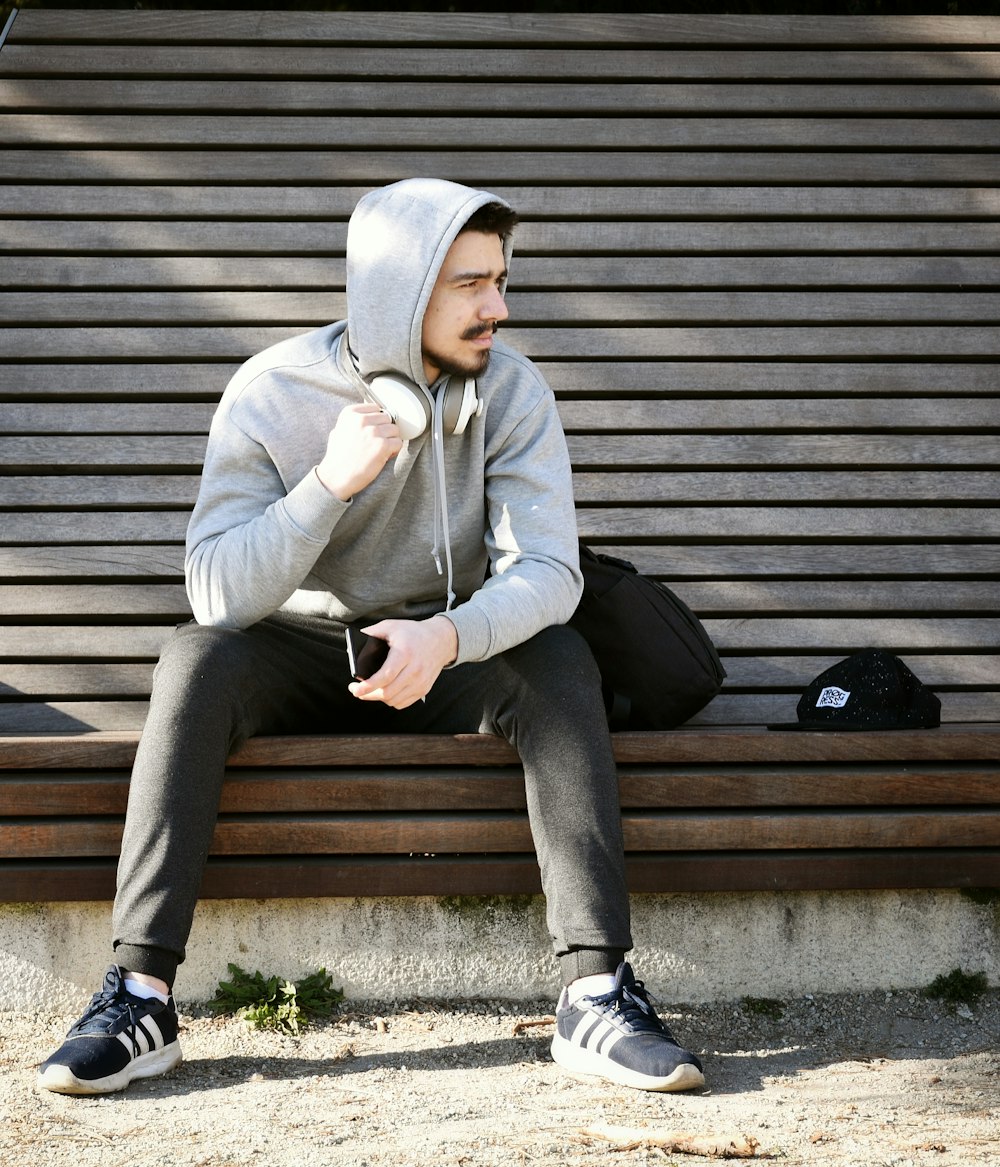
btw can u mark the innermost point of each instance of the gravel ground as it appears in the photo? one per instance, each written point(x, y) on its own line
point(885, 1078)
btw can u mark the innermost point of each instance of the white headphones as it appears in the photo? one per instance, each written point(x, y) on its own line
point(410, 407)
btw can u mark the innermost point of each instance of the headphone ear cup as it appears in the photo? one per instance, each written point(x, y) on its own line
point(403, 402)
point(461, 405)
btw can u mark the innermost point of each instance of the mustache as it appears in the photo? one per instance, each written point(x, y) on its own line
point(479, 330)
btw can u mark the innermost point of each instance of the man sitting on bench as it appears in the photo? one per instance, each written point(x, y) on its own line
point(368, 477)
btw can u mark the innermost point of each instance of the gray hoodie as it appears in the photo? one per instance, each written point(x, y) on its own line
point(267, 535)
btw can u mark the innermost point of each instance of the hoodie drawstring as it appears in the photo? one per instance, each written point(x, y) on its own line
point(441, 529)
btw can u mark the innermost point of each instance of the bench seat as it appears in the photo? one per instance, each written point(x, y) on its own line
point(711, 809)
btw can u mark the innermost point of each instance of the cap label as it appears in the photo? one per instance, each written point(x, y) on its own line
point(833, 698)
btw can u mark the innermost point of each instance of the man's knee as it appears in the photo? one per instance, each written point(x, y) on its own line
point(197, 657)
point(556, 657)
point(561, 643)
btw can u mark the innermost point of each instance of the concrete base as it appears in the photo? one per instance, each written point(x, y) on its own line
point(689, 948)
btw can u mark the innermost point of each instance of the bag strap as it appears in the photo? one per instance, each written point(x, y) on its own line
point(619, 707)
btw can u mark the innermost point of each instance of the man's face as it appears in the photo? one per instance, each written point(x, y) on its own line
point(464, 307)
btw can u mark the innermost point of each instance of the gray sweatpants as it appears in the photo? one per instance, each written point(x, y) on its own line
point(214, 688)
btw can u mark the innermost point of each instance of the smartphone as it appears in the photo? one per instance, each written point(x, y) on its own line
point(365, 653)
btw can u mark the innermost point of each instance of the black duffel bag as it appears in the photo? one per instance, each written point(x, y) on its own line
point(658, 664)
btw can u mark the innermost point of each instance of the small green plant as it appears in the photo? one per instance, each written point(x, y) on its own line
point(957, 988)
point(275, 1003)
point(763, 1007)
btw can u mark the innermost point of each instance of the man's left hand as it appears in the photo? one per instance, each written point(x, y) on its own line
point(418, 651)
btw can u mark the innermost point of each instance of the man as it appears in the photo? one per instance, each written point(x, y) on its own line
point(374, 473)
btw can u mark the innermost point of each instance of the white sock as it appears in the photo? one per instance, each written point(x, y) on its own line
point(593, 986)
point(138, 989)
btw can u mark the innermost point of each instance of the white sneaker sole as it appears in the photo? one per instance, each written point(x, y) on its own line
point(62, 1080)
point(584, 1061)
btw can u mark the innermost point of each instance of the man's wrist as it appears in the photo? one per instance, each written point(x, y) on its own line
point(331, 488)
point(449, 635)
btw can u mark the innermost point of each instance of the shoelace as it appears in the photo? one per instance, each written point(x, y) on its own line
point(111, 1005)
point(633, 1007)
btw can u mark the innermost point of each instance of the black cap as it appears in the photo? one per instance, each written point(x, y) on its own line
point(870, 690)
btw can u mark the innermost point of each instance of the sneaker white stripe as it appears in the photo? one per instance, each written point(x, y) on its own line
point(146, 1036)
point(134, 1041)
point(609, 1041)
point(584, 1029)
point(153, 1033)
point(594, 1032)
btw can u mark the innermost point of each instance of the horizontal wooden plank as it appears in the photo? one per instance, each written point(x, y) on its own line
point(762, 448)
point(582, 200)
point(829, 486)
point(119, 601)
point(296, 27)
point(71, 716)
point(678, 561)
point(152, 562)
point(795, 671)
point(505, 832)
point(114, 679)
point(673, 562)
point(727, 710)
point(124, 528)
point(204, 381)
point(59, 492)
point(734, 414)
point(512, 132)
point(858, 341)
point(485, 168)
point(116, 750)
point(665, 414)
point(306, 62)
point(109, 417)
point(762, 634)
point(806, 523)
point(731, 709)
point(269, 97)
point(740, 709)
point(148, 491)
point(586, 450)
point(605, 342)
point(803, 522)
point(34, 794)
point(96, 600)
point(175, 236)
point(609, 272)
point(36, 642)
point(311, 876)
point(109, 450)
point(314, 308)
point(897, 634)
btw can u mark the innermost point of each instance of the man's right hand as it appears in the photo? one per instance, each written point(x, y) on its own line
point(360, 444)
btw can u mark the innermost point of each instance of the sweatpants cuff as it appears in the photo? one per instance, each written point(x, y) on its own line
point(153, 962)
point(588, 962)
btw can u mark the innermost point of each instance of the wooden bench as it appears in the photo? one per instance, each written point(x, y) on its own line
point(758, 267)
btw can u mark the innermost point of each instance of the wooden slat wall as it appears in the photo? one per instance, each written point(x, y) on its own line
point(758, 266)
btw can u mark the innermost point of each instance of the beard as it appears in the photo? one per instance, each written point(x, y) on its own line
point(472, 366)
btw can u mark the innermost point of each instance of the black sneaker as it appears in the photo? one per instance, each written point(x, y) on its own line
point(619, 1036)
point(120, 1037)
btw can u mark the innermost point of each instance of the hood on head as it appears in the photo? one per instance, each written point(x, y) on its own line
point(397, 240)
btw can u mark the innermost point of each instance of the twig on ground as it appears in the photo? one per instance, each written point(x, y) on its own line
point(678, 1142)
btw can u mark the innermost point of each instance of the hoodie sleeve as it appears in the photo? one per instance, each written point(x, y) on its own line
point(532, 539)
point(250, 542)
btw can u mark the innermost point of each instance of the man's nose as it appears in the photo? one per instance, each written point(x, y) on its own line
point(494, 307)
